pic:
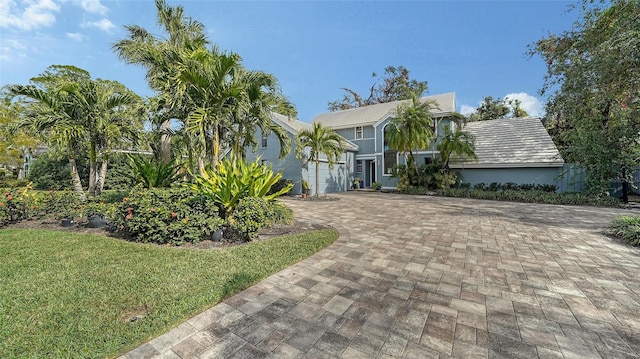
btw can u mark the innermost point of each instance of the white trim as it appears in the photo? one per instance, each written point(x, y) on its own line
point(364, 139)
point(355, 132)
point(365, 157)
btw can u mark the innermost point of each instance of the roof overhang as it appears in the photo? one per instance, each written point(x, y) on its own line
point(506, 165)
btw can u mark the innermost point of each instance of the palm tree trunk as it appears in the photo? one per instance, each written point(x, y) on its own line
point(165, 142)
point(201, 165)
point(75, 179)
point(317, 178)
point(92, 169)
point(103, 176)
point(215, 146)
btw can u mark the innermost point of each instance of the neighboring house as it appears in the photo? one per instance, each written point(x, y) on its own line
point(516, 150)
point(365, 127)
point(335, 179)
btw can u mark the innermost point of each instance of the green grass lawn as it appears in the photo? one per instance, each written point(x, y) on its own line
point(68, 295)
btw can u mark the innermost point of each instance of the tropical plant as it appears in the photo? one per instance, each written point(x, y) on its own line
point(627, 228)
point(151, 172)
point(456, 144)
point(76, 110)
point(231, 181)
point(319, 140)
point(411, 128)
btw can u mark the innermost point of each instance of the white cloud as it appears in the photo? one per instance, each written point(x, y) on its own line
point(93, 7)
point(104, 24)
point(75, 36)
point(15, 44)
point(27, 14)
point(467, 110)
point(529, 103)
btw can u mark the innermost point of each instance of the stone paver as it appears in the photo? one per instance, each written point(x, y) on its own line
point(429, 277)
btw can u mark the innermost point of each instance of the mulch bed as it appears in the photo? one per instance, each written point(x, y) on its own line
point(81, 227)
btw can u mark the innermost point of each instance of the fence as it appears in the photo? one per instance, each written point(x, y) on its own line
point(572, 179)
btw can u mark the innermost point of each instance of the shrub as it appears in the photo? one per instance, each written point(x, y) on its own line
point(281, 185)
point(510, 186)
point(627, 228)
point(253, 213)
point(150, 173)
point(532, 196)
point(19, 204)
point(62, 204)
point(232, 181)
point(50, 171)
point(173, 216)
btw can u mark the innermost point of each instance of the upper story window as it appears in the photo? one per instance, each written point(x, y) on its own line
point(264, 140)
point(358, 135)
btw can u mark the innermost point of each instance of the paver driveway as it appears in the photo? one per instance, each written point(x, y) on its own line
point(428, 277)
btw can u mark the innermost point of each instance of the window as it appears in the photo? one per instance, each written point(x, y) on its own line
point(359, 166)
point(264, 140)
point(358, 135)
point(390, 159)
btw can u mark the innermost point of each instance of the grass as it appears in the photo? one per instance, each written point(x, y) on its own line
point(69, 295)
point(627, 228)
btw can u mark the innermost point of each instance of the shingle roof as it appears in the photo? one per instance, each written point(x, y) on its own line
point(514, 142)
point(369, 115)
point(294, 126)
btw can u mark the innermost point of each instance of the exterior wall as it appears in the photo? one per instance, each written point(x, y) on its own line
point(335, 179)
point(547, 176)
point(366, 144)
point(290, 166)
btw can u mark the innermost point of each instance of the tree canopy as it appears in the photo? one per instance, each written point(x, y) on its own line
point(491, 109)
point(593, 79)
point(396, 85)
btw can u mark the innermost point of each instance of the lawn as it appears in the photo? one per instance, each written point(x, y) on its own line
point(71, 295)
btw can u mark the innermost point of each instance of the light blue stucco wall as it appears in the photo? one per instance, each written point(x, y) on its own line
point(290, 166)
point(547, 175)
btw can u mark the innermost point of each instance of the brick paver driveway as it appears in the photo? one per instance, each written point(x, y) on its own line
point(426, 277)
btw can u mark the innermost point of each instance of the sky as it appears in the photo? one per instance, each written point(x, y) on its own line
point(314, 48)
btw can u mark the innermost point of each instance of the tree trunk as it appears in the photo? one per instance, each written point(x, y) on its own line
point(165, 142)
point(92, 169)
point(103, 176)
point(75, 179)
point(201, 167)
point(215, 147)
point(317, 178)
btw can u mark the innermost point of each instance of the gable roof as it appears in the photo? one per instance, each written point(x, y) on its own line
point(511, 142)
point(293, 126)
point(370, 115)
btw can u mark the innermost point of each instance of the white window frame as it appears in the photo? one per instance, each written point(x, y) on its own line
point(355, 133)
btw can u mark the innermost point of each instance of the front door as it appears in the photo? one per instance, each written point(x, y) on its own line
point(372, 173)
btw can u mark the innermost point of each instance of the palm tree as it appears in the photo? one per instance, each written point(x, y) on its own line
point(161, 57)
point(411, 128)
point(253, 111)
point(456, 144)
point(319, 140)
point(50, 112)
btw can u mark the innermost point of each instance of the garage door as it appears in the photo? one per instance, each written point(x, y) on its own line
point(330, 180)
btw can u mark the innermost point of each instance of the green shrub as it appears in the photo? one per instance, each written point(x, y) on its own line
point(232, 181)
point(253, 213)
point(282, 184)
point(510, 186)
point(18, 204)
point(627, 228)
point(113, 196)
point(62, 204)
point(11, 182)
point(173, 216)
point(50, 171)
point(531, 196)
point(150, 173)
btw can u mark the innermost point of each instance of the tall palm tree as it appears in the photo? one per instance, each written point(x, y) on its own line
point(411, 128)
point(161, 57)
point(456, 144)
point(253, 111)
point(319, 140)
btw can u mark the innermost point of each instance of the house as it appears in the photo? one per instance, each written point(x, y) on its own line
point(516, 150)
point(336, 178)
point(365, 127)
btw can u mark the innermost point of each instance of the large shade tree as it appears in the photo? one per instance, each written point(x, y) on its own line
point(593, 79)
point(317, 141)
point(396, 85)
point(493, 109)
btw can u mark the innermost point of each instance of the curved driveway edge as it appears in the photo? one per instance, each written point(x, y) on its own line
point(433, 277)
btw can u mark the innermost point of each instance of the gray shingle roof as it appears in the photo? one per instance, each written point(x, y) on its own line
point(369, 115)
point(514, 142)
point(293, 125)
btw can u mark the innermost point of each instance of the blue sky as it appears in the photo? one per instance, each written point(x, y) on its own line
point(472, 48)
